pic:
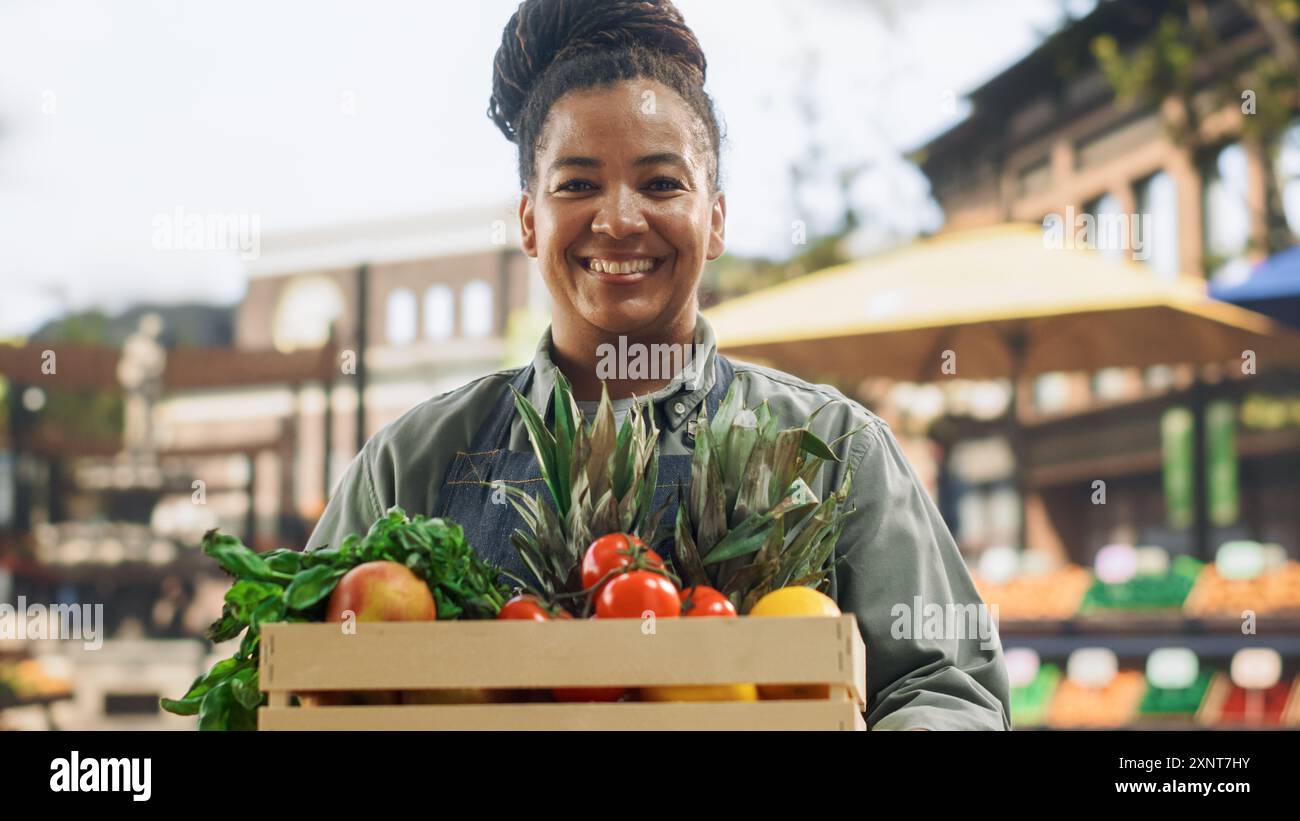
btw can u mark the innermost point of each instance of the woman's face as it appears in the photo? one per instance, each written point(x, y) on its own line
point(620, 215)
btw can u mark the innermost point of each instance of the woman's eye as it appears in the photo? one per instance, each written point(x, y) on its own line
point(575, 186)
point(671, 184)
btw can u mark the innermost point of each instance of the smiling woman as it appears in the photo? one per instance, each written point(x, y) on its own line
point(621, 204)
point(618, 162)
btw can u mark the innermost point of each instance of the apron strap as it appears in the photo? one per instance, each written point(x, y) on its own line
point(724, 373)
point(495, 431)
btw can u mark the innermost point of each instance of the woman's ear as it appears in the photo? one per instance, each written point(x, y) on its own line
point(718, 227)
point(527, 231)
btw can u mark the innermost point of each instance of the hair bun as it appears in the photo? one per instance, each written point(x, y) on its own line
point(544, 32)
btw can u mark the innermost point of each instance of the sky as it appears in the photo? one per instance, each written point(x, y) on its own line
point(319, 114)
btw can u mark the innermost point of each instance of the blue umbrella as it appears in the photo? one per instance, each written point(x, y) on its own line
point(1272, 288)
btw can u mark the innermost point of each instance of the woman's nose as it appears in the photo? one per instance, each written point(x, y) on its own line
point(619, 214)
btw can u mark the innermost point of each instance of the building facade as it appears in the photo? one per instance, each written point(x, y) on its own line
point(1047, 141)
point(412, 307)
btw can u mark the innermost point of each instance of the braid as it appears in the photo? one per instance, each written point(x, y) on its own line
point(551, 47)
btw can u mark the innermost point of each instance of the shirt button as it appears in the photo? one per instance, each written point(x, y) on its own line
point(679, 408)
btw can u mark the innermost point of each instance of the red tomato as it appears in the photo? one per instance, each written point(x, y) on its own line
point(631, 594)
point(702, 600)
point(524, 607)
point(609, 553)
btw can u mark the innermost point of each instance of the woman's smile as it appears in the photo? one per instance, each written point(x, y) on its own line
point(621, 269)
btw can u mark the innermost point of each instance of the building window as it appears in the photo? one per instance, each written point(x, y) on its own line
point(1159, 377)
point(1111, 384)
point(1110, 228)
point(476, 309)
point(1227, 216)
point(1288, 172)
point(1158, 225)
point(1052, 392)
point(304, 313)
point(400, 318)
point(1036, 178)
point(439, 313)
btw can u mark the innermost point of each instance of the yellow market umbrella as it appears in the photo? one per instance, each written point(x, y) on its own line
point(986, 304)
point(1001, 303)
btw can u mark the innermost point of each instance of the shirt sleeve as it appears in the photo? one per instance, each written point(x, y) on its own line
point(352, 508)
point(901, 573)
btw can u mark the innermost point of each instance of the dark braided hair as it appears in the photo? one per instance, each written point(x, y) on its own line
point(551, 47)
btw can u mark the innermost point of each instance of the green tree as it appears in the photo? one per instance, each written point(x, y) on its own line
point(1184, 57)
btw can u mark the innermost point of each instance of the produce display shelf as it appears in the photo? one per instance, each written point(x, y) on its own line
point(1138, 645)
point(1134, 634)
point(527, 655)
point(1137, 623)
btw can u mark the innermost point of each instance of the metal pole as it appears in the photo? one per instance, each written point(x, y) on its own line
point(1200, 495)
point(1016, 345)
point(363, 287)
point(327, 385)
point(21, 493)
point(250, 520)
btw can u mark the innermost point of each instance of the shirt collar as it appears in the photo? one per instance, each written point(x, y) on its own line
point(679, 400)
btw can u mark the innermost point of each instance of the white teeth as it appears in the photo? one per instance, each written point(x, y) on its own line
point(606, 266)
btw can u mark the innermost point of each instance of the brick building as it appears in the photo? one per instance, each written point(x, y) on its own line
point(1047, 140)
point(440, 296)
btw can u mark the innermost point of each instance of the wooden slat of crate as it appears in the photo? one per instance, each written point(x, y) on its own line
point(841, 714)
point(579, 653)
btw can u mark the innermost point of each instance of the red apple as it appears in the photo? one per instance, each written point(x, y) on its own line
point(382, 591)
point(376, 591)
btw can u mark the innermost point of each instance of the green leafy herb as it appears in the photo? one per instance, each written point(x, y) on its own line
point(292, 586)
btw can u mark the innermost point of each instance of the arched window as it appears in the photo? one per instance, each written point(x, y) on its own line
point(439, 313)
point(476, 309)
point(1158, 225)
point(1227, 216)
point(400, 317)
point(304, 312)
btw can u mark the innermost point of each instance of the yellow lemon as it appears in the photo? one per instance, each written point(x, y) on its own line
point(795, 601)
point(703, 692)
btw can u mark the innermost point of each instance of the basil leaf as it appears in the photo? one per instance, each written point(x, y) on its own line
point(246, 594)
point(214, 712)
point(237, 559)
point(226, 627)
point(219, 672)
point(244, 688)
point(284, 561)
point(269, 610)
point(310, 586)
point(183, 707)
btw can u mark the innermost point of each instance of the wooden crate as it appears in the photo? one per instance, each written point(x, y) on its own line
point(578, 653)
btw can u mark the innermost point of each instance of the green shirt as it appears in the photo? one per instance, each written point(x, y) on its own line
point(900, 571)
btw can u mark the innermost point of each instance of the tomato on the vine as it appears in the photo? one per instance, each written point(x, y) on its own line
point(632, 594)
point(703, 600)
point(612, 552)
point(525, 607)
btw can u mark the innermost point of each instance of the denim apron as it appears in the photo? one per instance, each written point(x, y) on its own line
point(467, 495)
